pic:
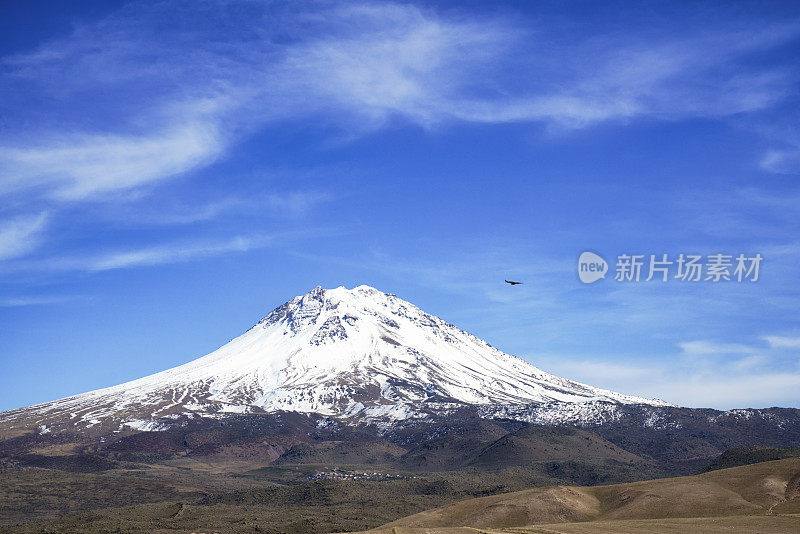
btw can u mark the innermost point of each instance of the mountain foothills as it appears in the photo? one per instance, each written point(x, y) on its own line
point(761, 498)
point(345, 410)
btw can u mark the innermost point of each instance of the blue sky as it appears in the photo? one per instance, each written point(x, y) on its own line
point(172, 171)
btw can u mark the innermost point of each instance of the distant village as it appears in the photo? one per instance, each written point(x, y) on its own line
point(338, 474)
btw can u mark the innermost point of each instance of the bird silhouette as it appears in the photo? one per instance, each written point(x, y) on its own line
point(513, 283)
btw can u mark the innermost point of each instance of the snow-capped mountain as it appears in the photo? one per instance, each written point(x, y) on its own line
point(357, 353)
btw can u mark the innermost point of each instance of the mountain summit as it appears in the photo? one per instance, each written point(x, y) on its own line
point(338, 352)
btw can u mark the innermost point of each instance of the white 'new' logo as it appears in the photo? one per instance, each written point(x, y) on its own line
point(591, 267)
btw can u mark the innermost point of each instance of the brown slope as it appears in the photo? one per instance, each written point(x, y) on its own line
point(748, 524)
point(452, 446)
point(749, 490)
point(750, 455)
point(539, 443)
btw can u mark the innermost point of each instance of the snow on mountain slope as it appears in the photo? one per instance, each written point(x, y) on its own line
point(338, 352)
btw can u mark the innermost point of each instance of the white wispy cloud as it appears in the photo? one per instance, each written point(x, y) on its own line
point(749, 381)
point(783, 342)
point(780, 131)
point(725, 391)
point(21, 235)
point(288, 205)
point(174, 253)
point(161, 254)
point(704, 348)
point(294, 204)
point(595, 371)
point(187, 97)
point(40, 300)
point(782, 160)
point(83, 165)
point(171, 252)
point(188, 214)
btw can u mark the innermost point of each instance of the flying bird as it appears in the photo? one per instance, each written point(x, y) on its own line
point(512, 282)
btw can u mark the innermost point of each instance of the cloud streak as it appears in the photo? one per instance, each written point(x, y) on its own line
point(17, 302)
point(168, 253)
point(783, 342)
point(187, 98)
point(748, 376)
point(785, 159)
point(161, 255)
point(21, 235)
point(289, 205)
point(707, 348)
point(86, 165)
point(164, 254)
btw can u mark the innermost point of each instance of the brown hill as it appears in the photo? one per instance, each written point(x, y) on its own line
point(551, 444)
point(750, 455)
point(770, 490)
